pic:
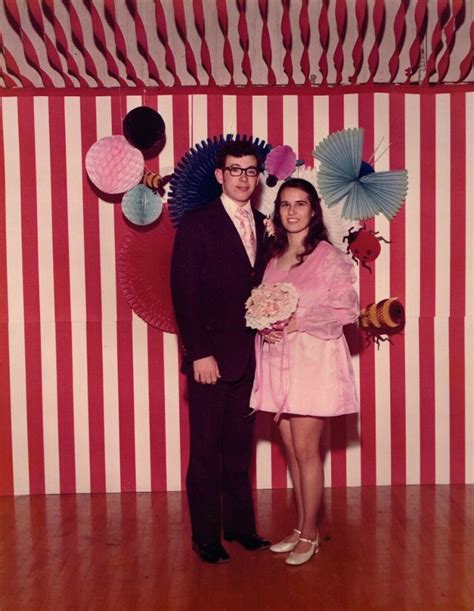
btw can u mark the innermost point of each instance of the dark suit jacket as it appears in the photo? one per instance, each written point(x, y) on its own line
point(211, 278)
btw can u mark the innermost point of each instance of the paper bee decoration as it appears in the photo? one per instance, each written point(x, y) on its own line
point(380, 320)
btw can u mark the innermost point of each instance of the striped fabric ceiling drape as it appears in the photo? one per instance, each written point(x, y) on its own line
point(165, 43)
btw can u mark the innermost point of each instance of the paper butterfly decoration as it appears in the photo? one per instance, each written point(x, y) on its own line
point(343, 173)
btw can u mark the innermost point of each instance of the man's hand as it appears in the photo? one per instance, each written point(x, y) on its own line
point(206, 370)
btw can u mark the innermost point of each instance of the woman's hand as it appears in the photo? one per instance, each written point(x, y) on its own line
point(273, 337)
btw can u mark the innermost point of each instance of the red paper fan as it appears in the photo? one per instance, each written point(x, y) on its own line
point(144, 273)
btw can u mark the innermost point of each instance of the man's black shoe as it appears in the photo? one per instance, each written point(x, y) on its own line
point(250, 542)
point(211, 552)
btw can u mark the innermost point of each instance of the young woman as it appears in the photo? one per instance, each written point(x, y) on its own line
point(305, 373)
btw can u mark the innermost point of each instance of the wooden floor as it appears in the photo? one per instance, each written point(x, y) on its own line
point(384, 548)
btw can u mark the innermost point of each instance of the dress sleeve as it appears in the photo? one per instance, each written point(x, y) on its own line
point(341, 307)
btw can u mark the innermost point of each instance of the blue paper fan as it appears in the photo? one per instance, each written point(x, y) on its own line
point(343, 173)
point(193, 183)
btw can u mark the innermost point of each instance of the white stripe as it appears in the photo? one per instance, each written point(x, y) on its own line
point(442, 241)
point(141, 402)
point(46, 296)
point(170, 344)
point(109, 316)
point(198, 122)
point(263, 446)
point(412, 400)
point(172, 407)
point(290, 121)
point(320, 131)
point(412, 205)
point(442, 441)
point(75, 204)
point(353, 451)
point(469, 328)
point(229, 114)
point(412, 291)
point(16, 337)
point(382, 291)
point(443, 204)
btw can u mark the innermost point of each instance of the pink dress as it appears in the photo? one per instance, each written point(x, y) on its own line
point(309, 372)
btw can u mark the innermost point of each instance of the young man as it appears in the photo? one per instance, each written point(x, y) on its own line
point(217, 260)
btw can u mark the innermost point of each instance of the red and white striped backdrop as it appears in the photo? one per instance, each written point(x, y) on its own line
point(91, 398)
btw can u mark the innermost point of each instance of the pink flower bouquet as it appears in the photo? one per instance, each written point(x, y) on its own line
point(270, 306)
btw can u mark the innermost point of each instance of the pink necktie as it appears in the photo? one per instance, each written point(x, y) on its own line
point(246, 233)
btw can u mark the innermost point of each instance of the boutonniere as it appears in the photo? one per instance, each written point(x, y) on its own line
point(269, 226)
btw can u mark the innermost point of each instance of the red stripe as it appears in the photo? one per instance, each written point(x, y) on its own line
point(6, 456)
point(244, 40)
point(95, 373)
point(215, 115)
point(323, 29)
point(180, 22)
point(275, 136)
point(244, 114)
point(62, 302)
point(305, 32)
point(436, 39)
point(397, 289)
point(367, 354)
point(379, 29)
point(361, 13)
point(287, 41)
point(399, 30)
point(465, 66)
point(458, 289)
point(201, 30)
point(341, 23)
point(421, 21)
point(337, 432)
point(224, 26)
point(181, 146)
point(34, 390)
point(160, 21)
point(427, 288)
point(124, 341)
point(266, 42)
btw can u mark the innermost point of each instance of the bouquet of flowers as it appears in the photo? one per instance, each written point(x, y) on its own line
point(270, 306)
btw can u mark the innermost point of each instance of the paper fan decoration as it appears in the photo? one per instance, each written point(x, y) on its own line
point(113, 165)
point(337, 226)
point(343, 173)
point(144, 273)
point(193, 183)
point(141, 206)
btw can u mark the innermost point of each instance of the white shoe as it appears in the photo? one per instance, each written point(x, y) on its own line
point(285, 546)
point(300, 558)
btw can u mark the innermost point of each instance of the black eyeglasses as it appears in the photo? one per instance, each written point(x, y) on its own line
point(235, 170)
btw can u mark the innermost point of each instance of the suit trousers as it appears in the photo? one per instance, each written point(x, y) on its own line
point(221, 440)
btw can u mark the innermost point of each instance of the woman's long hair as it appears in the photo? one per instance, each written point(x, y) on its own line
point(317, 231)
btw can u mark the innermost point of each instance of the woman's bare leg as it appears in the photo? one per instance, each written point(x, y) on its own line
point(285, 432)
point(306, 435)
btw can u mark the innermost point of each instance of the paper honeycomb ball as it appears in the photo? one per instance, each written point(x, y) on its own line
point(141, 206)
point(113, 165)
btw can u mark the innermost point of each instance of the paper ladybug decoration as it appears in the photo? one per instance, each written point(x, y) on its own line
point(379, 321)
point(364, 245)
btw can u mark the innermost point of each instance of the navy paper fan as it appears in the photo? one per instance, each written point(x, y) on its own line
point(343, 173)
point(193, 183)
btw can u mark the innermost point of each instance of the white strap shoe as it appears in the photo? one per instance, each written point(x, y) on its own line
point(296, 559)
point(285, 546)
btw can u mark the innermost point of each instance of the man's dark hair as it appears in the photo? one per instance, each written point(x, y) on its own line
point(237, 148)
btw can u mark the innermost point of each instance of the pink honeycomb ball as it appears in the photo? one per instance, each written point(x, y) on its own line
point(113, 165)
